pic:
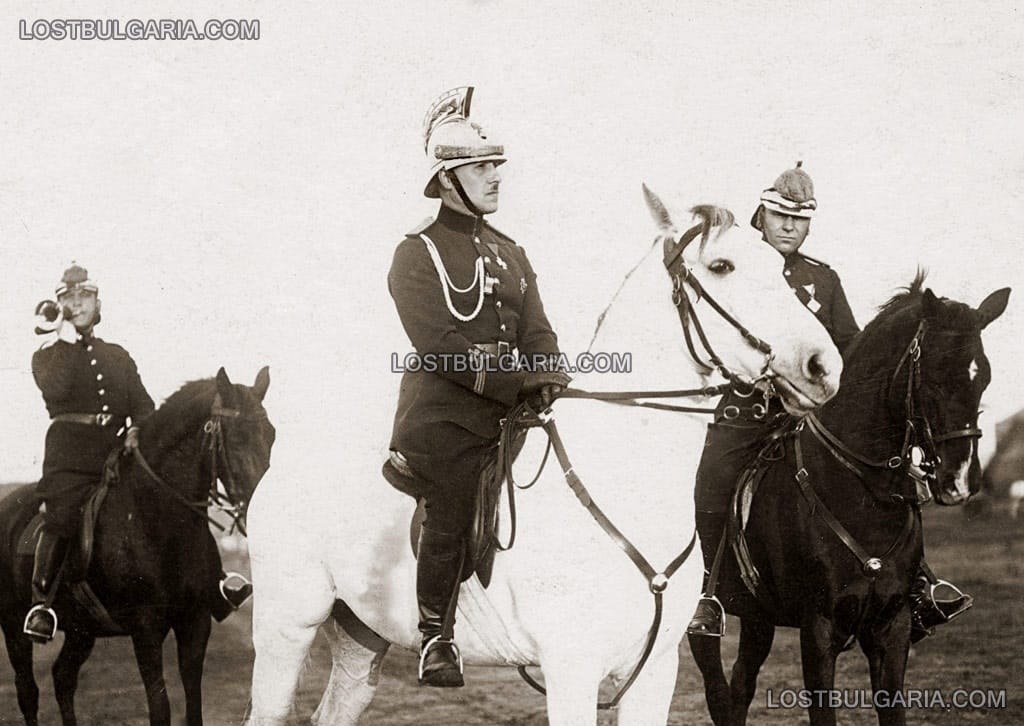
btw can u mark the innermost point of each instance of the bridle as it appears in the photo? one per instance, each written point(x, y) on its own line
point(220, 470)
point(920, 445)
point(682, 276)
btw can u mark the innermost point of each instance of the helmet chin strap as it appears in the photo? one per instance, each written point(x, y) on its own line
point(454, 179)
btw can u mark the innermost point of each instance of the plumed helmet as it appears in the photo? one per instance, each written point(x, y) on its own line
point(75, 277)
point(792, 194)
point(451, 139)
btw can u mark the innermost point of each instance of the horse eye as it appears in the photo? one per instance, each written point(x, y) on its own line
point(721, 267)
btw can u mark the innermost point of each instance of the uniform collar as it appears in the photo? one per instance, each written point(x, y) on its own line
point(456, 221)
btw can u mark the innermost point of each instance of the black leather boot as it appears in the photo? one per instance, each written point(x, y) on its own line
point(438, 565)
point(928, 610)
point(709, 617)
point(41, 620)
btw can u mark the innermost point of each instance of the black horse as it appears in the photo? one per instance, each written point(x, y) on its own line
point(832, 541)
point(152, 561)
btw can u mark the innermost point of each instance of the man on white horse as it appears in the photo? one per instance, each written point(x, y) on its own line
point(742, 420)
point(468, 299)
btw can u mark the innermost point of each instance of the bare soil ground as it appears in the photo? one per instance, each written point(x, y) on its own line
point(980, 651)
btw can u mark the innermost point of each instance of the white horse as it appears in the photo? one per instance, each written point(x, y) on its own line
point(565, 598)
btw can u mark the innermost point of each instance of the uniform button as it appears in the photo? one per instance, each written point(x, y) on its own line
point(487, 260)
point(106, 407)
point(92, 362)
point(502, 328)
point(786, 273)
point(497, 304)
point(99, 376)
point(102, 391)
point(89, 348)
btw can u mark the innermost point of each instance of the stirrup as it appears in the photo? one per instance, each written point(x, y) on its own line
point(698, 626)
point(950, 608)
point(36, 635)
point(437, 641)
point(245, 585)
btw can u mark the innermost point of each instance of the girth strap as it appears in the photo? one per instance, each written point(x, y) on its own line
point(656, 581)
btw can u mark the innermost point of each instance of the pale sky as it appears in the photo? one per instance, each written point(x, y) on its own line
point(239, 202)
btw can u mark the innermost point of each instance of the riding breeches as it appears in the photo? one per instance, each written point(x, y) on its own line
point(72, 467)
point(732, 443)
point(449, 458)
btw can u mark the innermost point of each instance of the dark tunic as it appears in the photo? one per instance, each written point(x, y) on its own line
point(731, 444)
point(87, 377)
point(448, 417)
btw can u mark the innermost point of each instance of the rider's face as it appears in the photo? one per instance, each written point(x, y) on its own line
point(480, 181)
point(82, 307)
point(785, 232)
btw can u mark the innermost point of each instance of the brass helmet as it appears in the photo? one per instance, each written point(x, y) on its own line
point(75, 278)
point(452, 140)
point(792, 194)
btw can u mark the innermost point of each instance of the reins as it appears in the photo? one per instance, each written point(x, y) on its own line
point(213, 432)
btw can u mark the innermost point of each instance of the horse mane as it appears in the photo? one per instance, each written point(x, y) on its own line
point(907, 295)
point(892, 312)
point(173, 419)
point(710, 217)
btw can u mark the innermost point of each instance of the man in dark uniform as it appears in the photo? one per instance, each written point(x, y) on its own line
point(93, 394)
point(742, 420)
point(467, 298)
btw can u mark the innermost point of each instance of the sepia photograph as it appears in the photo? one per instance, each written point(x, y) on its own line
point(483, 363)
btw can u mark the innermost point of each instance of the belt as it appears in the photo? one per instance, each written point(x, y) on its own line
point(96, 419)
point(498, 349)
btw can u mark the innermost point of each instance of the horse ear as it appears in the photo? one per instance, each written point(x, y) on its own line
point(660, 213)
point(930, 305)
point(259, 388)
point(224, 386)
point(992, 306)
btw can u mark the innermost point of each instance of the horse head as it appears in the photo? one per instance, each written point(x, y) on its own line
point(954, 373)
point(728, 287)
point(935, 372)
point(242, 438)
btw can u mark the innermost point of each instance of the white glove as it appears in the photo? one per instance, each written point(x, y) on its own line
point(66, 332)
point(45, 325)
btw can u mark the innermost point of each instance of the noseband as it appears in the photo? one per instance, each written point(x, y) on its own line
point(681, 277)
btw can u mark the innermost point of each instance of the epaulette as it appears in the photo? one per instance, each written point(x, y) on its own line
point(814, 261)
point(420, 227)
point(504, 237)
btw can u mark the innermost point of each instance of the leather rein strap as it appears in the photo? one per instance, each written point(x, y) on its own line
point(656, 581)
point(214, 430)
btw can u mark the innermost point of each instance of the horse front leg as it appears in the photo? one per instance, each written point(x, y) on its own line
point(148, 646)
point(75, 651)
point(707, 654)
point(886, 649)
point(19, 653)
point(572, 686)
point(818, 654)
point(192, 635)
point(649, 699)
point(756, 637)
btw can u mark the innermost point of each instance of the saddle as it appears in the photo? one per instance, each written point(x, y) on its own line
point(482, 543)
point(80, 548)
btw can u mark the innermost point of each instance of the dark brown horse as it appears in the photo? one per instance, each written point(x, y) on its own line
point(833, 534)
point(152, 561)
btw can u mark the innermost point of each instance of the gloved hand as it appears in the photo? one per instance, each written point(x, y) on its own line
point(540, 388)
point(131, 440)
point(66, 332)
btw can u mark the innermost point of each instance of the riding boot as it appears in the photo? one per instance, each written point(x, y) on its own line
point(927, 610)
point(709, 617)
point(233, 589)
point(41, 621)
point(439, 561)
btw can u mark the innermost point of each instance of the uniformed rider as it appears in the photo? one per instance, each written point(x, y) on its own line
point(743, 421)
point(468, 299)
point(96, 400)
